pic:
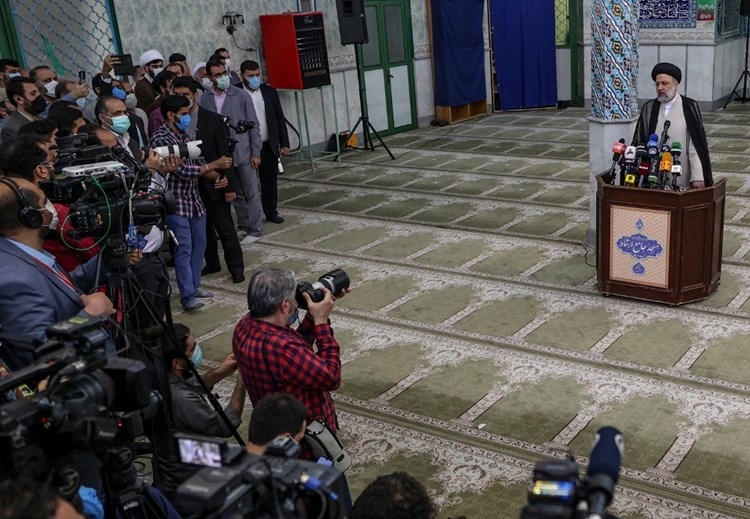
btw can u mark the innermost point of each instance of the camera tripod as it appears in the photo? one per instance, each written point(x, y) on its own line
point(368, 130)
point(745, 75)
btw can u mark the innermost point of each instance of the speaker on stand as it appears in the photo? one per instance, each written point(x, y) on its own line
point(745, 76)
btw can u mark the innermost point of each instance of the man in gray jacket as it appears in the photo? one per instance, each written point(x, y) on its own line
point(235, 103)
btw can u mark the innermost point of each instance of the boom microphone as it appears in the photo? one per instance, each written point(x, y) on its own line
point(604, 470)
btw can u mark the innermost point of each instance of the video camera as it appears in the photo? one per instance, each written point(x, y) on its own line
point(91, 401)
point(106, 189)
point(336, 281)
point(558, 492)
point(236, 484)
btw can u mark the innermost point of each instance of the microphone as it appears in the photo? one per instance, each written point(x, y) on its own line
point(604, 470)
point(665, 168)
point(628, 179)
point(676, 151)
point(664, 137)
point(617, 150)
point(641, 157)
point(652, 149)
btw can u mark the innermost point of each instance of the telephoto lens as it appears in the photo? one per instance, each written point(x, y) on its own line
point(186, 150)
point(336, 281)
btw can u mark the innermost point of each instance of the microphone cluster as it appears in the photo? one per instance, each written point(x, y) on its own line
point(558, 491)
point(653, 165)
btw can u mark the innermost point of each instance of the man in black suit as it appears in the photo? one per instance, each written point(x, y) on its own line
point(217, 195)
point(273, 134)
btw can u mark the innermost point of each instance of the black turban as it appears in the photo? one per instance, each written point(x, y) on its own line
point(669, 69)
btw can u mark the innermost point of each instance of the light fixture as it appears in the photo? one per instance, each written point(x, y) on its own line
point(231, 19)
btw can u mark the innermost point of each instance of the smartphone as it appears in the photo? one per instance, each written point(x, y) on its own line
point(81, 77)
point(200, 450)
point(125, 66)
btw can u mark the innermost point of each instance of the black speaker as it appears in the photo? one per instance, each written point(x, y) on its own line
point(352, 22)
point(744, 7)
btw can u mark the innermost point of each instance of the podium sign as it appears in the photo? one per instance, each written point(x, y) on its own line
point(662, 246)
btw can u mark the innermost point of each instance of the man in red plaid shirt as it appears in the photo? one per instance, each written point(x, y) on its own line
point(273, 357)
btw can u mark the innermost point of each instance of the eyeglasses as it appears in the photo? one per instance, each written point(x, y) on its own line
point(49, 162)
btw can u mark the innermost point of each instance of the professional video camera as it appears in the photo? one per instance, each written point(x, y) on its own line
point(91, 402)
point(336, 281)
point(236, 484)
point(106, 190)
point(557, 491)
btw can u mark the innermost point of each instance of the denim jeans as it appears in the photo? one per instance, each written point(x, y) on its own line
point(188, 259)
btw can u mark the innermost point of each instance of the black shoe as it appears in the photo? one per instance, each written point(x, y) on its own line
point(238, 277)
point(208, 269)
point(275, 219)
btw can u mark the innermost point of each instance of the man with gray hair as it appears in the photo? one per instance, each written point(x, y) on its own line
point(273, 357)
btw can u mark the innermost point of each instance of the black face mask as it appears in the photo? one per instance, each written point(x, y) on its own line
point(37, 106)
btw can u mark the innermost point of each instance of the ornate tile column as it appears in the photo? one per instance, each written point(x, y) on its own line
point(614, 86)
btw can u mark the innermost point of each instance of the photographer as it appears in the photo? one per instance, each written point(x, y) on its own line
point(395, 496)
point(217, 195)
point(275, 415)
point(191, 411)
point(35, 292)
point(189, 221)
point(274, 357)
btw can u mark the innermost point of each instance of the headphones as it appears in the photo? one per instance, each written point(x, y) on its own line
point(29, 215)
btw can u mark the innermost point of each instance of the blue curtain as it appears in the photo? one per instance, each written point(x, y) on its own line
point(458, 51)
point(523, 45)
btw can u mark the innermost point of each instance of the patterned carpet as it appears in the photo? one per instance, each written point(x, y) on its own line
point(475, 341)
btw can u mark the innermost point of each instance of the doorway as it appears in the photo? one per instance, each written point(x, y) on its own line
point(387, 66)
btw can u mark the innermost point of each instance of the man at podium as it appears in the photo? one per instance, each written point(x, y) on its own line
point(686, 125)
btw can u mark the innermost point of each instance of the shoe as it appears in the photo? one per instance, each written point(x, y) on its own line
point(203, 294)
point(191, 305)
point(238, 277)
point(249, 239)
point(241, 234)
point(275, 219)
point(205, 271)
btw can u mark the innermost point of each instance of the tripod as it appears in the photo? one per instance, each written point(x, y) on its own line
point(745, 76)
point(367, 129)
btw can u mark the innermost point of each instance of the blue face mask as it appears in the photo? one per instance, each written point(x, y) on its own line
point(253, 82)
point(119, 93)
point(120, 124)
point(223, 82)
point(14, 74)
point(183, 122)
point(197, 357)
point(294, 316)
point(81, 102)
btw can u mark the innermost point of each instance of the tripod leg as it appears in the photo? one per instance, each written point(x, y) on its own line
point(734, 91)
point(348, 136)
point(383, 144)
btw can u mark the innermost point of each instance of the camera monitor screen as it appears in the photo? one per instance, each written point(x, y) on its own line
point(201, 451)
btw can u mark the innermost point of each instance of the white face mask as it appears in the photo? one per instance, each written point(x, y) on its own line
point(50, 208)
point(207, 84)
point(131, 101)
point(50, 88)
point(227, 63)
point(156, 71)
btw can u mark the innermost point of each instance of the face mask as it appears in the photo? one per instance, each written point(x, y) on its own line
point(197, 357)
point(253, 82)
point(50, 88)
point(120, 124)
point(294, 316)
point(156, 71)
point(119, 93)
point(227, 63)
point(14, 74)
point(223, 82)
point(81, 102)
point(50, 208)
point(206, 83)
point(182, 122)
point(131, 101)
point(37, 106)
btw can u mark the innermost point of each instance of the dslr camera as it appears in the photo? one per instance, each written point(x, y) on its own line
point(336, 281)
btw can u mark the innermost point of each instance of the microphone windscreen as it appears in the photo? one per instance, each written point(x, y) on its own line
point(676, 145)
point(606, 453)
point(653, 140)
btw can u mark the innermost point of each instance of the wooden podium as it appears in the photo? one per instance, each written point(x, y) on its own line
point(662, 246)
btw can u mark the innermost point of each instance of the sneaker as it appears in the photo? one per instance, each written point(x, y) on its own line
point(247, 240)
point(192, 305)
point(203, 294)
point(241, 234)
